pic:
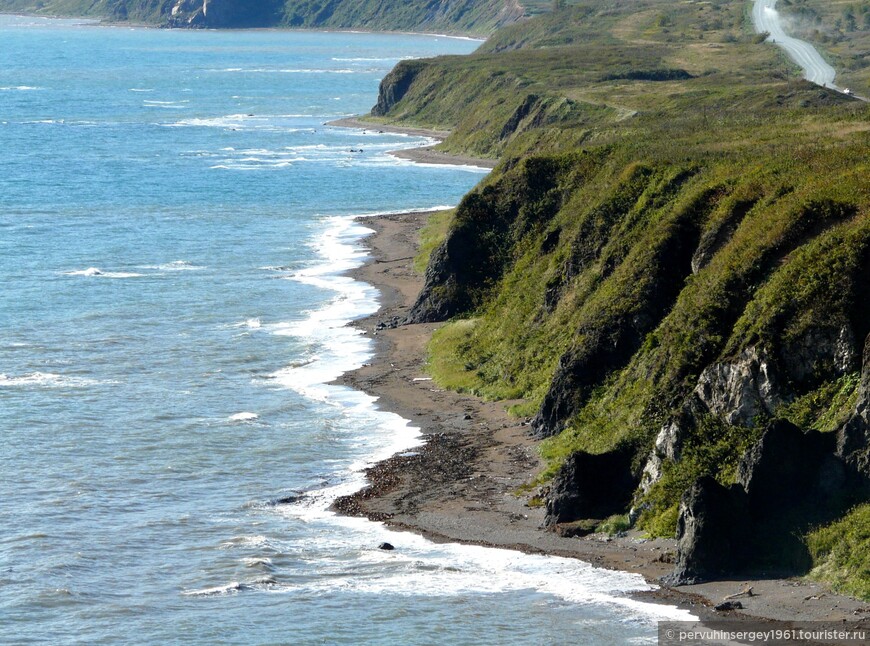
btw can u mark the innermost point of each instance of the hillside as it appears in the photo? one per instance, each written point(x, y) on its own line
point(465, 16)
point(669, 269)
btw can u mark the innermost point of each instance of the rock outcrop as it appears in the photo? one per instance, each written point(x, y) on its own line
point(787, 482)
point(591, 486)
point(739, 390)
point(853, 440)
point(395, 85)
point(711, 532)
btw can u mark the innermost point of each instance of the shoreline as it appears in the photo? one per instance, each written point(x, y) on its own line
point(107, 22)
point(461, 484)
point(422, 154)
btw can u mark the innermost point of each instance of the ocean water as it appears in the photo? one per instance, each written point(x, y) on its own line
point(174, 220)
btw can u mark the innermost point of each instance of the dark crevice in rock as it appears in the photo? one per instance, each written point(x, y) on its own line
point(591, 486)
point(788, 482)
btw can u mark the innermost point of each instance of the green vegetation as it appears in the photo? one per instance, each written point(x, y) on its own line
point(432, 235)
point(671, 198)
point(841, 553)
point(614, 525)
point(827, 408)
point(712, 449)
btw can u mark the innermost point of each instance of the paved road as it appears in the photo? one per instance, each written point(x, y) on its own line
point(767, 18)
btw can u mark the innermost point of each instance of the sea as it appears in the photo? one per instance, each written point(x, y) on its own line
point(175, 222)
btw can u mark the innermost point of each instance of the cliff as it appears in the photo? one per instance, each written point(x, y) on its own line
point(669, 268)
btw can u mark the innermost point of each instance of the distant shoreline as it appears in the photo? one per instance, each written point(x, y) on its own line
point(106, 22)
point(421, 155)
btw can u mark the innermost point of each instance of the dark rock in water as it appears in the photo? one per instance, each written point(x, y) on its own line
point(386, 546)
point(710, 532)
point(289, 500)
point(591, 486)
point(725, 606)
point(782, 470)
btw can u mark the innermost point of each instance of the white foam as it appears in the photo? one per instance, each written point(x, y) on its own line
point(45, 380)
point(141, 89)
point(418, 566)
point(244, 417)
point(267, 122)
point(176, 265)
point(92, 272)
point(19, 88)
point(250, 324)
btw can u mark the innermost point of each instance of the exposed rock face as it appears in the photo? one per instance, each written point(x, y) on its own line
point(710, 532)
point(821, 351)
point(739, 390)
point(788, 481)
point(591, 486)
point(782, 470)
point(667, 447)
point(395, 85)
point(853, 440)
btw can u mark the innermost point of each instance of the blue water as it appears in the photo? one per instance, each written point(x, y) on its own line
point(174, 220)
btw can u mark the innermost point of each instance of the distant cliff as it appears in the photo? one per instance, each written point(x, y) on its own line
point(466, 16)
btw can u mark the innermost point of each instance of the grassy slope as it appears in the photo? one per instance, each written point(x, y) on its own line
point(609, 177)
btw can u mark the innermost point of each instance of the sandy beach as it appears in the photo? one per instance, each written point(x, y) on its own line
point(462, 485)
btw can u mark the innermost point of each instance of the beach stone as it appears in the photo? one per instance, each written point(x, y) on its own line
point(591, 486)
point(725, 606)
point(386, 546)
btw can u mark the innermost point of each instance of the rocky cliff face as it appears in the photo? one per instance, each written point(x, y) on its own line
point(853, 439)
point(395, 84)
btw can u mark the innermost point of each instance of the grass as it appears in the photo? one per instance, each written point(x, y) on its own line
point(432, 235)
point(841, 553)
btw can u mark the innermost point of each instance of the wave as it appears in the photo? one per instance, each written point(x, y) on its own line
point(19, 88)
point(176, 265)
point(244, 417)
point(269, 122)
point(232, 588)
point(269, 70)
point(46, 380)
point(91, 272)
